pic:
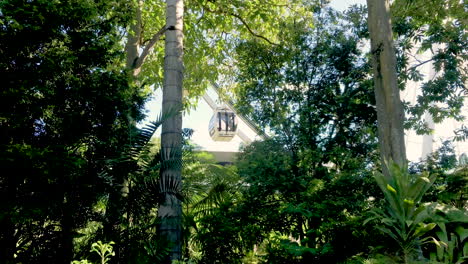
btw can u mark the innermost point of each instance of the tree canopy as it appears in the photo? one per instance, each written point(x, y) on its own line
point(82, 181)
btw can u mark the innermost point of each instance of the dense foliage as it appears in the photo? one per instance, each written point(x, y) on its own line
point(308, 185)
point(438, 32)
point(77, 174)
point(66, 108)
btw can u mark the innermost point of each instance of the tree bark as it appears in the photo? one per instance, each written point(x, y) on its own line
point(390, 114)
point(133, 40)
point(134, 59)
point(170, 210)
point(67, 225)
point(7, 232)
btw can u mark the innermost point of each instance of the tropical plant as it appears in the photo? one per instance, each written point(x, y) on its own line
point(404, 216)
point(208, 188)
point(452, 247)
point(104, 250)
point(144, 190)
point(454, 189)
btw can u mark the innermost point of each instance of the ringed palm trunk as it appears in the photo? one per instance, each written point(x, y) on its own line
point(390, 114)
point(170, 210)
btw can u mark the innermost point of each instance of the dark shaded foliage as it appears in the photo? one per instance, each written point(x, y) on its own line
point(65, 108)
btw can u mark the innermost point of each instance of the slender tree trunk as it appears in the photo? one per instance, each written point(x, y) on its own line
point(133, 41)
point(67, 223)
point(66, 251)
point(170, 210)
point(135, 58)
point(7, 239)
point(390, 114)
point(7, 231)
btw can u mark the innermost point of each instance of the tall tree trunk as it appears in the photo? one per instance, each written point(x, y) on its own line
point(170, 210)
point(390, 114)
point(66, 250)
point(133, 40)
point(67, 223)
point(7, 209)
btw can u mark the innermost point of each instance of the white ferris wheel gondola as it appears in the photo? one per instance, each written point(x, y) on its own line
point(223, 124)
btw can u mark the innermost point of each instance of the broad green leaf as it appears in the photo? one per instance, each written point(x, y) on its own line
point(462, 233)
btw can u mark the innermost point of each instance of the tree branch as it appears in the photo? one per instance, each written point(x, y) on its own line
point(241, 20)
point(139, 61)
point(250, 30)
point(420, 64)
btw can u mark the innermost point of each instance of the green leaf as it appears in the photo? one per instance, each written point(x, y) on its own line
point(462, 233)
point(425, 179)
point(438, 244)
point(390, 188)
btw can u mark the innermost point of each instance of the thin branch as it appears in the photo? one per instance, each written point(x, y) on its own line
point(249, 29)
point(414, 57)
point(241, 20)
point(420, 64)
point(201, 17)
point(139, 61)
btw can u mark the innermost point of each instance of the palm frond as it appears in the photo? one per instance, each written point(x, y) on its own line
point(144, 135)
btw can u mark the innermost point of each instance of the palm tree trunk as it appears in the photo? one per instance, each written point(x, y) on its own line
point(390, 114)
point(170, 210)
